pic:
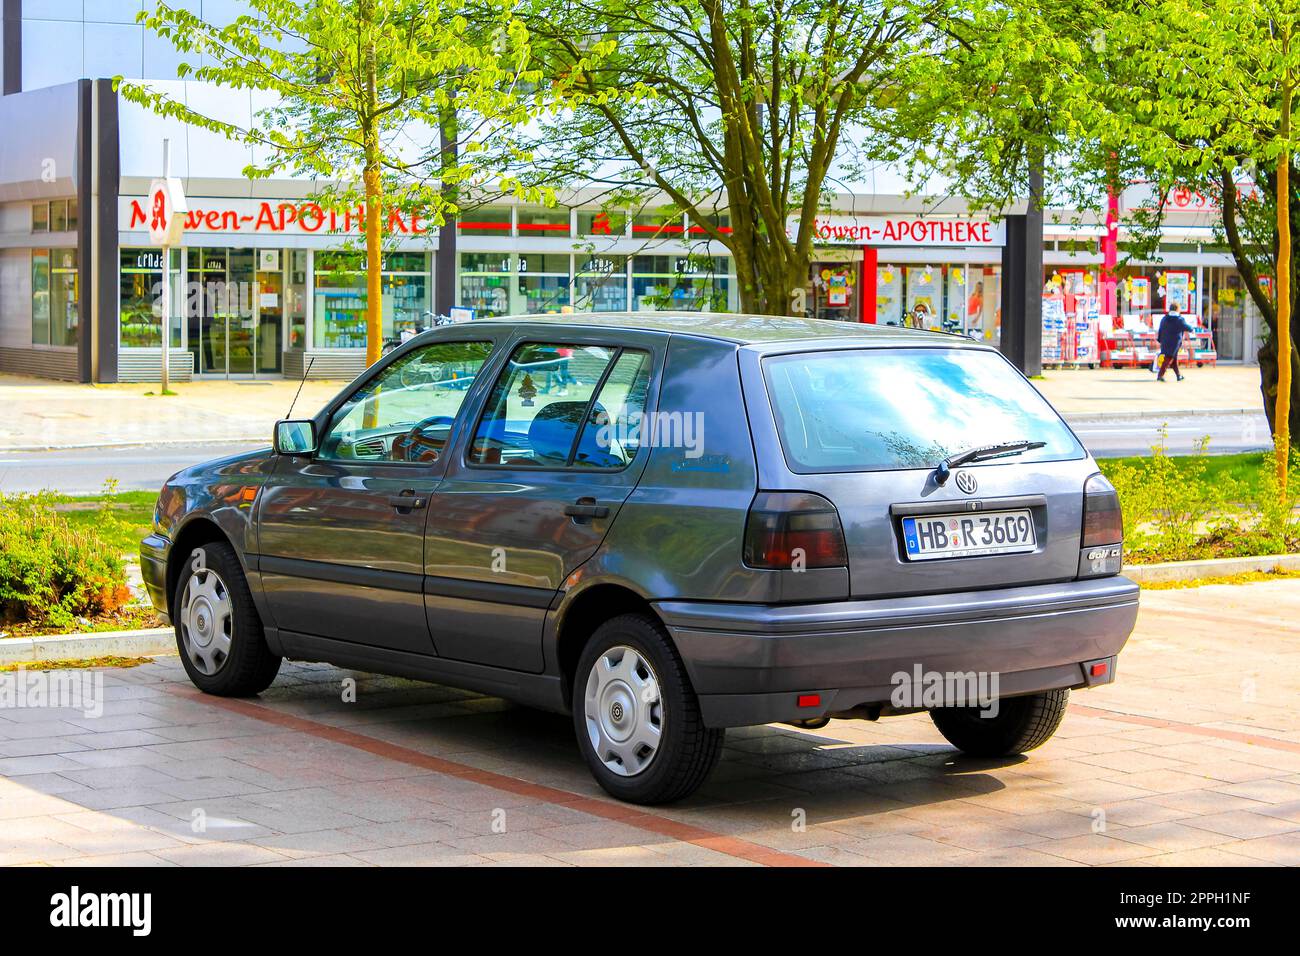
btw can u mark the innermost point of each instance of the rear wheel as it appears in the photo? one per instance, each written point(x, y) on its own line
point(636, 716)
point(218, 631)
point(1021, 724)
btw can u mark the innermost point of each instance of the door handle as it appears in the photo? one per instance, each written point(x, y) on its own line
point(407, 500)
point(586, 508)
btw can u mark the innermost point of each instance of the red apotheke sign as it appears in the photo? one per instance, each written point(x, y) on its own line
point(270, 216)
point(903, 231)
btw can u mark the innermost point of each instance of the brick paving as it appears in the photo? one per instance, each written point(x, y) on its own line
point(1193, 758)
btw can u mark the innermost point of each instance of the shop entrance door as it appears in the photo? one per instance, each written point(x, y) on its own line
point(240, 320)
point(236, 329)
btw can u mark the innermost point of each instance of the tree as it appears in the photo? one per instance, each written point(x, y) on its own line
point(1215, 107)
point(748, 107)
point(362, 89)
point(1176, 93)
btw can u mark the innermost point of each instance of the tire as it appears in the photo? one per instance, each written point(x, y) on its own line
point(219, 634)
point(1021, 724)
point(685, 751)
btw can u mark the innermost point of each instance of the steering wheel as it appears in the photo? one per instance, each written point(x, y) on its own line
point(416, 446)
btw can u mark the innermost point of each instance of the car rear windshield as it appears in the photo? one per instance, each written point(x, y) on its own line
point(883, 409)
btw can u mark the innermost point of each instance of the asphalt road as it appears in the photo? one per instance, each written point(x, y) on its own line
point(1228, 434)
point(144, 468)
point(83, 471)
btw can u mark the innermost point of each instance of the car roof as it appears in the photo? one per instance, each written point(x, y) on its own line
point(739, 328)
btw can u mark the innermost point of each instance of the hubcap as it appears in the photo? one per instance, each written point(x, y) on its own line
point(206, 621)
point(624, 712)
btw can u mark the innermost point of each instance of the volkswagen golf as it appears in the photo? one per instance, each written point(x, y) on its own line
point(667, 525)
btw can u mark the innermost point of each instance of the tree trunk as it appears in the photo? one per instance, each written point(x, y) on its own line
point(374, 201)
point(1264, 301)
point(1282, 416)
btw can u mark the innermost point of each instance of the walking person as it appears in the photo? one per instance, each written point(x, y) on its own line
point(1172, 333)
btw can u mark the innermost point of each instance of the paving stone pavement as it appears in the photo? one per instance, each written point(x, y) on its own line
point(1192, 758)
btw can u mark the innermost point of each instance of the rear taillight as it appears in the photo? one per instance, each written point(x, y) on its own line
point(793, 530)
point(1103, 523)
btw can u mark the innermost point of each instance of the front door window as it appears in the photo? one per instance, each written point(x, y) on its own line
point(405, 413)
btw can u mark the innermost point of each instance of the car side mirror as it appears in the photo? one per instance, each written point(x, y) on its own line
point(295, 437)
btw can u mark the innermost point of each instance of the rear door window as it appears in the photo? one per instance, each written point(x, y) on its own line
point(560, 406)
point(883, 409)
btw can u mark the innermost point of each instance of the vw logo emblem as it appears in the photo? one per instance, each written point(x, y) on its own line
point(966, 482)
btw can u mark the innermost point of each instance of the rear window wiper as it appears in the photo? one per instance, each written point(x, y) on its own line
point(982, 453)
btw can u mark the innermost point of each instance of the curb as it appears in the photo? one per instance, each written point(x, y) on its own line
point(149, 642)
point(150, 443)
point(1210, 568)
point(1091, 418)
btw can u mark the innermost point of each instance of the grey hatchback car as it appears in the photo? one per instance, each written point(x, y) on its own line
point(667, 525)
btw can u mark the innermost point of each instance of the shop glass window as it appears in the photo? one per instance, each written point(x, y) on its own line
point(537, 411)
point(59, 216)
point(140, 288)
point(720, 221)
point(40, 217)
point(54, 297)
point(296, 299)
point(489, 221)
point(601, 222)
point(40, 297)
point(925, 297)
point(833, 291)
point(405, 414)
point(486, 262)
point(543, 283)
point(657, 225)
point(691, 283)
point(72, 214)
point(339, 317)
point(600, 284)
point(889, 295)
point(485, 282)
point(543, 222)
point(64, 316)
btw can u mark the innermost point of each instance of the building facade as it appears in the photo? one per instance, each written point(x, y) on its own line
point(268, 282)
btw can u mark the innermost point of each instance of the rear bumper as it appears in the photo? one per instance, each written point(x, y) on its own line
point(153, 568)
point(749, 663)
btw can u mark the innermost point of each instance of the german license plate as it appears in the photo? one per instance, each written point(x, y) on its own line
point(968, 535)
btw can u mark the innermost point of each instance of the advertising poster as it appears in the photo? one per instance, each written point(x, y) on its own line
point(837, 289)
point(1178, 289)
point(889, 295)
point(1139, 292)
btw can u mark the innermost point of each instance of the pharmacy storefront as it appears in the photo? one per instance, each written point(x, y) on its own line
point(941, 273)
point(265, 288)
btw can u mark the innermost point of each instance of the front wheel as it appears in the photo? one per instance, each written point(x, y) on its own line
point(218, 631)
point(636, 715)
point(1021, 724)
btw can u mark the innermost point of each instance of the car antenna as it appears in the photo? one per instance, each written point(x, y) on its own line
point(301, 382)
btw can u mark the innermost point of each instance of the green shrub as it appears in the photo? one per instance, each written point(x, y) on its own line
point(1168, 508)
point(50, 573)
point(1174, 510)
